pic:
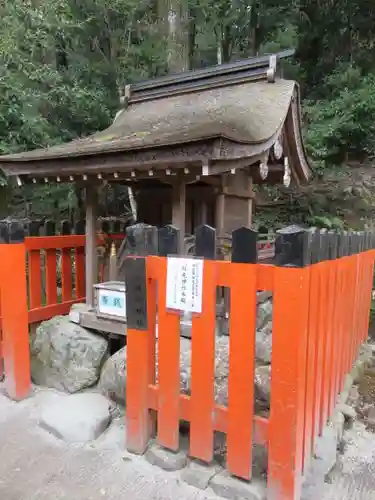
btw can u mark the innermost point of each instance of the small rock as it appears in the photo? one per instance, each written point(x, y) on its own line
point(66, 356)
point(78, 418)
point(166, 459)
point(264, 313)
point(263, 382)
point(354, 396)
point(348, 412)
point(371, 416)
point(338, 423)
point(112, 381)
point(198, 474)
point(227, 486)
point(75, 311)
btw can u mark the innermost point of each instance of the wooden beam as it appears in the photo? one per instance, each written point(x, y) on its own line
point(219, 214)
point(91, 255)
point(179, 209)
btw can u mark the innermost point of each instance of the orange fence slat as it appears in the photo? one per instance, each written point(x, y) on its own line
point(241, 369)
point(314, 358)
point(66, 274)
point(1, 346)
point(338, 331)
point(288, 382)
point(35, 279)
point(140, 367)
point(332, 320)
point(203, 367)
point(51, 277)
point(328, 375)
point(80, 272)
point(168, 366)
point(15, 329)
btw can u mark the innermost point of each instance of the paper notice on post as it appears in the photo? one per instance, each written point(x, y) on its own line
point(184, 284)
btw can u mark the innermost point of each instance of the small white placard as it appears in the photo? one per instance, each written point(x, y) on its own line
point(184, 284)
point(111, 302)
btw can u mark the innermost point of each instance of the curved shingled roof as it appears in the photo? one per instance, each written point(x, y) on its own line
point(248, 116)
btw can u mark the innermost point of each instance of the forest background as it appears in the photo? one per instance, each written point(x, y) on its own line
point(62, 63)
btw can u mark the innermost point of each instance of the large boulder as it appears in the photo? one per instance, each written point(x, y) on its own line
point(262, 377)
point(263, 344)
point(113, 377)
point(264, 313)
point(112, 381)
point(66, 356)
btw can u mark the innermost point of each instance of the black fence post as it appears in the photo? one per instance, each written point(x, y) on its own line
point(205, 242)
point(80, 226)
point(49, 228)
point(292, 247)
point(245, 246)
point(168, 240)
point(66, 227)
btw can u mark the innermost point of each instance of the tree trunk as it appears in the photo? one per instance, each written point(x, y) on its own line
point(175, 16)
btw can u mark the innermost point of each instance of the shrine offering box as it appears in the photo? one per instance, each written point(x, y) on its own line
point(110, 300)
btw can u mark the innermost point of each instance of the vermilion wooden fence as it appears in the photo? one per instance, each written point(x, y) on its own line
point(320, 318)
point(44, 257)
point(321, 285)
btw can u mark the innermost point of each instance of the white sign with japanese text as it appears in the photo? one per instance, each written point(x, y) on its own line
point(112, 302)
point(184, 284)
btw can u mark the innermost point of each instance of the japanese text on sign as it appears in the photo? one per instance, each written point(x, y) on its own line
point(184, 284)
point(112, 303)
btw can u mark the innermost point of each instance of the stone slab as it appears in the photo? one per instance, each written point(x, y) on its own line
point(198, 474)
point(166, 459)
point(227, 486)
point(79, 418)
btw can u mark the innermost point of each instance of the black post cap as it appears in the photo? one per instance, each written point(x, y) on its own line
point(105, 226)
point(205, 242)
point(333, 245)
point(66, 227)
point(33, 228)
point(292, 247)
point(116, 227)
point(244, 246)
point(49, 228)
point(168, 240)
point(142, 239)
point(80, 226)
point(11, 231)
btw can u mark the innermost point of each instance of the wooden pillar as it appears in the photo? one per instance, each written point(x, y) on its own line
point(203, 212)
point(179, 210)
point(219, 214)
point(250, 203)
point(91, 255)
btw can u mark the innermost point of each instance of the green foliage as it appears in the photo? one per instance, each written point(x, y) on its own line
point(343, 125)
point(62, 63)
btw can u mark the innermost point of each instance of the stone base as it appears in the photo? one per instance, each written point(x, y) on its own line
point(166, 459)
point(79, 418)
point(227, 486)
point(198, 474)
